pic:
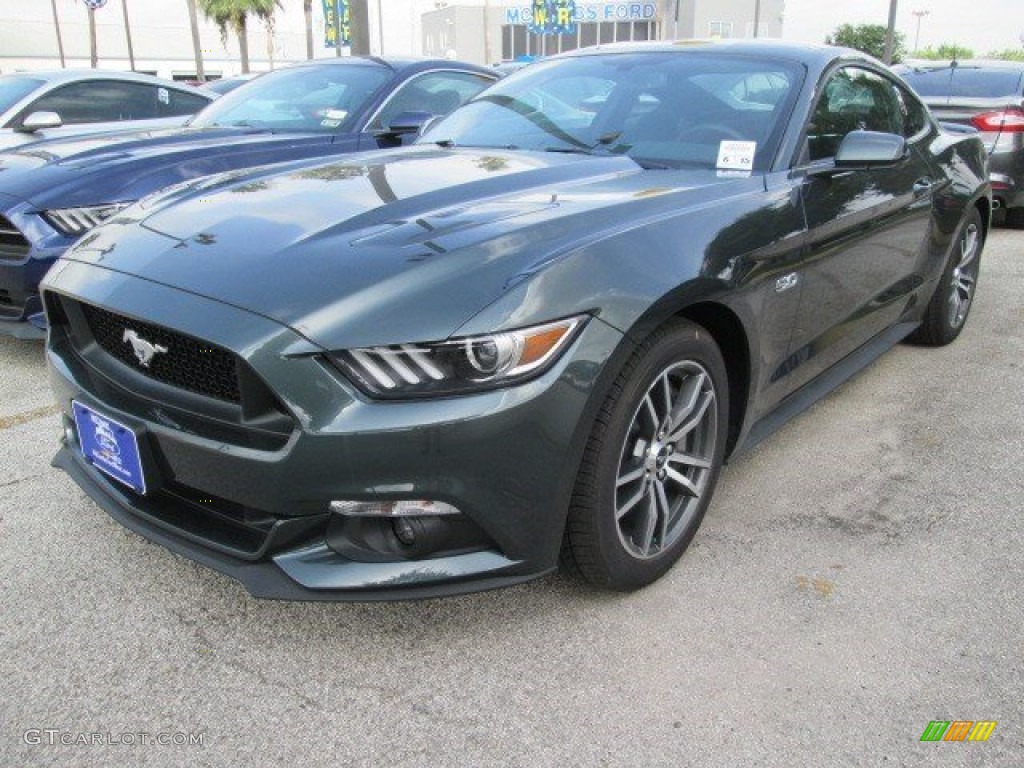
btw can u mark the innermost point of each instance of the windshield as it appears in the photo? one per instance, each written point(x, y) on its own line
point(14, 89)
point(964, 81)
point(326, 99)
point(663, 109)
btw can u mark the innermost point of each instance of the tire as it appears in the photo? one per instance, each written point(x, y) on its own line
point(1014, 218)
point(949, 306)
point(642, 489)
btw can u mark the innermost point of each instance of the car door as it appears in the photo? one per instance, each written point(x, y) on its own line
point(865, 227)
point(438, 92)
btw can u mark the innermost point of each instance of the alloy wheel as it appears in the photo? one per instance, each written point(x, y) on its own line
point(666, 460)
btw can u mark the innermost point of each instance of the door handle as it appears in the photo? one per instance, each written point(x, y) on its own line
point(922, 187)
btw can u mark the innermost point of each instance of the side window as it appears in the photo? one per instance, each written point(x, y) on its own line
point(915, 118)
point(172, 103)
point(435, 92)
point(853, 99)
point(98, 101)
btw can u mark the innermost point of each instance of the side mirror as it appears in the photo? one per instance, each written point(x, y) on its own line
point(861, 149)
point(408, 123)
point(40, 121)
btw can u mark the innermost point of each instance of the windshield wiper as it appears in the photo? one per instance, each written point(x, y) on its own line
point(587, 149)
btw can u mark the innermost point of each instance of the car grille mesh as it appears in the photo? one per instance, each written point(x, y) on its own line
point(13, 244)
point(186, 363)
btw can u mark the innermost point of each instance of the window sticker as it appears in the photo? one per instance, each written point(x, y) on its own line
point(736, 155)
point(163, 96)
point(335, 114)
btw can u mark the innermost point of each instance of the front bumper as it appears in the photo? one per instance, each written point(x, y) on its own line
point(507, 459)
point(314, 572)
point(23, 267)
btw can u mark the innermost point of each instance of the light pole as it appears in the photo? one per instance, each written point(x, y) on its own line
point(757, 15)
point(917, 35)
point(128, 35)
point(890, 33)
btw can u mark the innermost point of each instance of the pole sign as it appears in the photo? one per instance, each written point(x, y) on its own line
point(94, 5)
point(553, 17)
point(333, 11)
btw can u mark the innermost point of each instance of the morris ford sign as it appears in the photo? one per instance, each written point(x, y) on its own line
point(584, 12)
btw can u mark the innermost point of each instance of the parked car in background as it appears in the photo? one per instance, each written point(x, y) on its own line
point(223, 85)
point(988, 96)
point(47, 105)
point(542, 329)
point(55, 193)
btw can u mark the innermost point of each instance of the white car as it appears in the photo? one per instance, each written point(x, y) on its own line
point(47, 105)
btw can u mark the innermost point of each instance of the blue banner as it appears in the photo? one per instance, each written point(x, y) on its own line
point(339, 7)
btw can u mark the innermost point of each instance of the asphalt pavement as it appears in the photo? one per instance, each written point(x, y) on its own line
point(858, 575)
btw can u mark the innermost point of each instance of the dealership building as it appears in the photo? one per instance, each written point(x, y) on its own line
point(498, 32)
point(482, 31)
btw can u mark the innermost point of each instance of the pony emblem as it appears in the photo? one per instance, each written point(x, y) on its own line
point(144, 351)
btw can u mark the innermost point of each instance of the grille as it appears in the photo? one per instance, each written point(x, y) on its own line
point(184, 361)
point(13, 244)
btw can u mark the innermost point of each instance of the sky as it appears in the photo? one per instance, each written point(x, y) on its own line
point(982, 25)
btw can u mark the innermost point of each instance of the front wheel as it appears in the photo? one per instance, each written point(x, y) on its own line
point(651, 462)
point(947, 311)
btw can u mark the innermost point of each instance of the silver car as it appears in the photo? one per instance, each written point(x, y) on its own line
point(46, 105)
point(988, 96)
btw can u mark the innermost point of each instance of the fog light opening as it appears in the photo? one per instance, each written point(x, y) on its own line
point(404, 531)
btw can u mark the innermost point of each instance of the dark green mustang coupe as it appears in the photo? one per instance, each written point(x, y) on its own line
point(537, 333)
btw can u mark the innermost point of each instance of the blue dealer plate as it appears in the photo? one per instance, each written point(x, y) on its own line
point(109, 446)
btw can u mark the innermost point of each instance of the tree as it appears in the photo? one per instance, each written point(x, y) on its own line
point(359, 14)
point(869, 38)
point(1010, 54)
point(945, 52)
point(234, 14)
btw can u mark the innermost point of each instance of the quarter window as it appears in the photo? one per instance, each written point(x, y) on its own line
point(435, 92)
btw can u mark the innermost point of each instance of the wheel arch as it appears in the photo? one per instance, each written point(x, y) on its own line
point(727, 330)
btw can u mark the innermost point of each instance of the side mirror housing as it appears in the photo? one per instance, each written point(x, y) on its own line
point(408, 123)
point(862, 149)
point(40, 121)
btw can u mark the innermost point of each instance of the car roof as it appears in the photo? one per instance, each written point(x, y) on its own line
point(808, 53)
point(394, 63)
point(929, 65)
point(53, 76)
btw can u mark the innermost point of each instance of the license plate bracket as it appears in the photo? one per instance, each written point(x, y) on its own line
point(110, 446)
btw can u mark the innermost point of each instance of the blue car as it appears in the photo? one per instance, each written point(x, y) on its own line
point(53, 192)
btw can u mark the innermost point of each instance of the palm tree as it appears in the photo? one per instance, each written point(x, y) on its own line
point(359, 21)
point(234, 14)
point(56, 26)
point(197, 50)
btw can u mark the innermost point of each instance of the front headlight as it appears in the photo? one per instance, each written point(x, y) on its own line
point(74, 222)
point(458, 366)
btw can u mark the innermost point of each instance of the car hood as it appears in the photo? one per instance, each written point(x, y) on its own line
point(385, 247)
point(10, 138)
point(124, 165)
